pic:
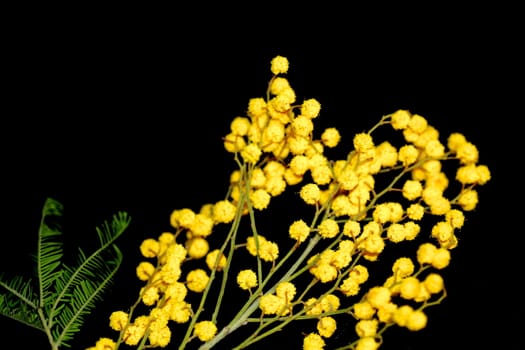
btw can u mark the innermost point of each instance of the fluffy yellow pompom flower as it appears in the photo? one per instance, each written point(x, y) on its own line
point(363, 310)
point(330, 137)
point(378, 296)
point(260, 199)
point(412, 189)
point(286, 290)
point(366, 328)
point(400, 119)
point(425, 253)
point(197, 247)
point(467, 153)
point(205, 330)
point(310, 108)
point(416, 320)
point(434, 283)
point(279, 64)
point(299, 230)
point(367, 343)
point(363, 142)
point(441, 258)
point(197, 280)
point(211, 260)
point(271, 304)
point(468, 199)
point(310, 193)
point(103, 344)
point(118, 320)
point(408, 154)
point(268, 251)
point(328, 228)
point(403, 267)
point(247, 279)
point(313, 341)
point(410, 287)
point(145, 270)
point(224, 211)
point(251, 153)
point(149, 248)
point(326, 326)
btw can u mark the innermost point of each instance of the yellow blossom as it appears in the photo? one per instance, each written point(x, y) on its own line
point(366, 328)
point(409, 288)
point(180, 311)
point(434, 283)
point(313, 341)
point(403, 267)
point(378, 296)
point(299, 164)
point(441, 258)
point(205, 330)
point(467, 153)
point(279, 64)
point(455, 218)
point(412, 189)
point(415, 211)
point(468, 199)
point(247, 279)
point(416, 320)
point(350, 286)
point(149, 248)
point(408, 154)
point(271, 304)
point(197, 247)
point(329, 303)
point(150, 295)
point(251, 153)
point(363, 310)
point(240, 126)
point(456, 140)
point(328, 228)
point(310, 193)
point(145, 270)
point(278, 85)
point(213, 261)
point(118, 320)
point(400, 119)
point(351, 228)
point(310, 108)
point(286, 291)
point(434, 149)
point(260, 199)
point(202, 225)
point(417, 123)
point(299, 230)
point(224, 211)
point(182, 218)
point(196, 280)
point(367, 343)
point(331, 137)
point(256, 107)
point(387, 154)
point(326, 326)
point(103, 344)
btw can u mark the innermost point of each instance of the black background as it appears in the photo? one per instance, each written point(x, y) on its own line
point(126, 112)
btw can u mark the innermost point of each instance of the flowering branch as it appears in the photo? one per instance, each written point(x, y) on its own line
point(374, 201)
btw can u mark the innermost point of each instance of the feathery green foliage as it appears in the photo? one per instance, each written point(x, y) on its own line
point(62, 295)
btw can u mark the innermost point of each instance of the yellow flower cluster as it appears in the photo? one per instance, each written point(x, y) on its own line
point(377, 196)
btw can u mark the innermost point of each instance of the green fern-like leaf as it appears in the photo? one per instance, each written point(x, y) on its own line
point(80, 287)
point(64, 294)
point(20, 301)
point(49, 251)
